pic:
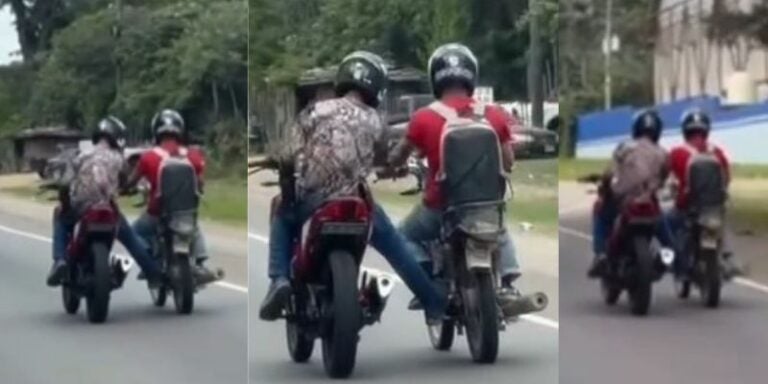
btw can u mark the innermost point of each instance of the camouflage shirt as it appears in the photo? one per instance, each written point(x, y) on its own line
point(639, 170)
point(96, 178)
point(333, 142)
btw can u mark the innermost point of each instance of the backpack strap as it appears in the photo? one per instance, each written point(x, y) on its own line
point(446, 112)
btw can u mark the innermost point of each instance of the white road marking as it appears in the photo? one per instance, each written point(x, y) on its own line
point(29, 235)
point(535, 319)
point(738, 280)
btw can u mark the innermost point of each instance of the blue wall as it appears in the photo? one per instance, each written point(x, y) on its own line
point(738, 129)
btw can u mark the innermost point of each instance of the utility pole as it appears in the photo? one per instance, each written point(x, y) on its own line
point(117, 32)
point(608, 50)
point(535, 83)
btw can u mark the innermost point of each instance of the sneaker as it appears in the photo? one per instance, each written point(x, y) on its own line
point(597, 267)
point(57, 273)
point(204, 276)
point(277, 296)
point(415, 304)
point(506, 296)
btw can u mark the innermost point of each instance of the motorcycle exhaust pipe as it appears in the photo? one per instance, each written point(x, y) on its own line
point(535, 302)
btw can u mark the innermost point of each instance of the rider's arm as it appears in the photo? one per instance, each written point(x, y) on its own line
point(135, 175)
point(400, 154)
point(412, 139)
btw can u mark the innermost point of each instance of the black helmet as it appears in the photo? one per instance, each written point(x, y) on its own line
point(696, 120)
point(647, 123)
point(365, 72)
point(167, 122)
point(452, 64)
point(112, 129)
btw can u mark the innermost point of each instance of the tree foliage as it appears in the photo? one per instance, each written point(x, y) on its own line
point(292, 35)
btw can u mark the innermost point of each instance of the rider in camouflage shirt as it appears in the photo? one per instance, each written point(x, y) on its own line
point(333, 143)
point(97, 178)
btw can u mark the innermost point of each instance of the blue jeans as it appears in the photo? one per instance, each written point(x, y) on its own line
point(384, 238)
point(423, 225)
point(146, 227)
point(602, 226)
point(64, 227)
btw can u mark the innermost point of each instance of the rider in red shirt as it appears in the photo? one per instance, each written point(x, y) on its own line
point(453, 71)
point(696, 126)
point(169, 132)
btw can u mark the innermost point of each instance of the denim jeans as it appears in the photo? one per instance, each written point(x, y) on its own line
point(423, 225)
point(384, 238)
point(146, 226)
point(603, 220)
point(64, 227)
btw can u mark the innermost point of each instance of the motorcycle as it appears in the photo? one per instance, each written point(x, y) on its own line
point(634, 263)
point(330, 299)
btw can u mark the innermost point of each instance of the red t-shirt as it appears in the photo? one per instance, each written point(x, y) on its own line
point(425, 130)
point(678, 164)
point(149, 167)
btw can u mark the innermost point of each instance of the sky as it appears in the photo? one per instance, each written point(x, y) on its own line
point(8, 39)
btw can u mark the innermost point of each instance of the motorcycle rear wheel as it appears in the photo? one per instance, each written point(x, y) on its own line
point(345, 316)
point(482, 316)
point(183, 285)
point(69, 297)
point(641, 290)
point(97, 298)
point(711, 279)
point(611, 292)
point(159, 295)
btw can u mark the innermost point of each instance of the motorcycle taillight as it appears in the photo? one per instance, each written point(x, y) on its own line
point(644, 209)
point(345, 210)
point(100, 215)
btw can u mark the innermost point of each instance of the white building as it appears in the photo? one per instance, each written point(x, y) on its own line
point(687, 63)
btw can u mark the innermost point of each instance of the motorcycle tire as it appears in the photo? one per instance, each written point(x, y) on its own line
point(683, 289)
point(610, 291)
point(300, 343)
point(183, 285)
point(345, 316)
point(441, 336)
point(69, 297)
point(482, 319)
point(97, 298)
point(159, 295)
point(711, 278)
point(640, 291)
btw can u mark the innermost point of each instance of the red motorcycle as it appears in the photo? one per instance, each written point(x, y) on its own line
point(633, 262)
point(92, 270)
point(330, 300)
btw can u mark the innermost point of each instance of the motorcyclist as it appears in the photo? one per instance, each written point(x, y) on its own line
point(696, 126)
point(169, 131)
point(638, 169)
point(333, 147)
point(94, 179)
point(453, 72)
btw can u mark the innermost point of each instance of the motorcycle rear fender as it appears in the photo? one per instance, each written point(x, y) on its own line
point(479, 254)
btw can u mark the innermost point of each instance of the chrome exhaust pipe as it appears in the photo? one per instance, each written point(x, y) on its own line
point(535, 302)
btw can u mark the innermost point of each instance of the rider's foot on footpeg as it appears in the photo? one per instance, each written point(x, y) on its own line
point(415, 304)
point(56, 275)
point(278, 294)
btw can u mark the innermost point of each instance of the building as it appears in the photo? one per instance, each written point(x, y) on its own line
point(688, 63)
point(33, 147)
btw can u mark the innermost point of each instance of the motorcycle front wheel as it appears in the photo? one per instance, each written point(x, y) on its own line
point(441, 335)
point(640, 291)
point(69, 296)
point(300, 343)
point(711, 282)
point(183, 285)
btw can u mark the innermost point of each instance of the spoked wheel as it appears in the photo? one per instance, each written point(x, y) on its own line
point(710, 278)
point(441, 336)
point(98, 293)
point(641, 290)
point(300, 342)
point(183, 285)
point(344, 316)
point(610, 291)
point(482, 318)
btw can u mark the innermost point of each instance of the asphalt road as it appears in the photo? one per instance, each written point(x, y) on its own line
point(397, 350)
point(678, 342)
point(139, 344)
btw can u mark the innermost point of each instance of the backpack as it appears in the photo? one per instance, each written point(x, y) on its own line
point(706, 180)
point(471, 170)
point(177, 184)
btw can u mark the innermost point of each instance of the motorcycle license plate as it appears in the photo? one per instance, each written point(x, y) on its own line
point(549, 148)
point(708, 242)
point(180, 246)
